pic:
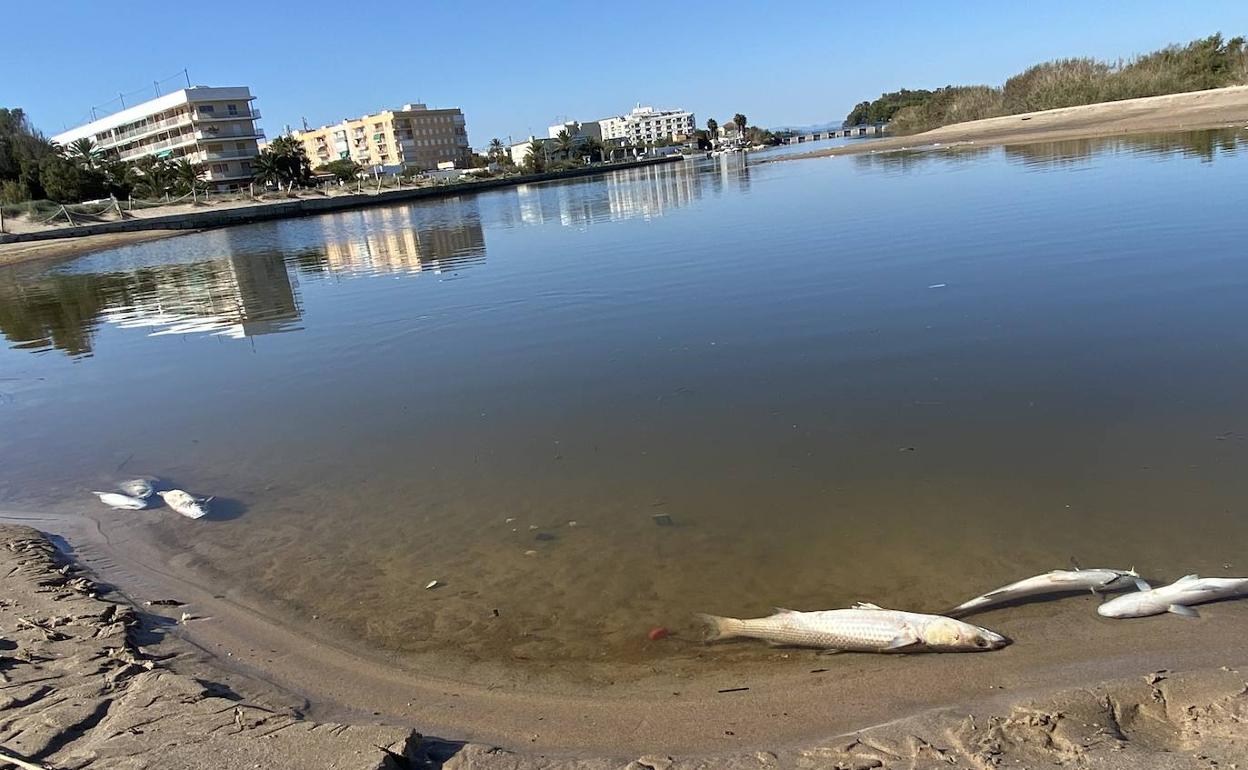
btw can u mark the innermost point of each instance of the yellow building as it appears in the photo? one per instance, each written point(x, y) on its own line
point(414, 137)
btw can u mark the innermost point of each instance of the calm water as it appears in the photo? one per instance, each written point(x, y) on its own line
point(900, 377)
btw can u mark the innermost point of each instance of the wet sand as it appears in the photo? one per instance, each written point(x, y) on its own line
point(68, 248)
point(1064, 655)
point(1216, 108)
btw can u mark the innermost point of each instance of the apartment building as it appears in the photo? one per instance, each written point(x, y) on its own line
point(212, 126)
point(414, 137)
point(643, 125)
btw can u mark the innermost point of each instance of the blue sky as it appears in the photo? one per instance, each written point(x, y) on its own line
point(514, 68)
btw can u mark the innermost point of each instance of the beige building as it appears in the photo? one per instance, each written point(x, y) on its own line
point(212, 126)
point(414, 137)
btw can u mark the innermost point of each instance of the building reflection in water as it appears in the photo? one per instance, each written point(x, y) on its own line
point(405, 239)
point(243, 282)
point(231, 283)
point(645, 192)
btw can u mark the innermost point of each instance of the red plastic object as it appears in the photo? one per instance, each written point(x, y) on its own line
point(658, 633)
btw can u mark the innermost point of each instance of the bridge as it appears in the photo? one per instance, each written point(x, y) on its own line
point(866, 129)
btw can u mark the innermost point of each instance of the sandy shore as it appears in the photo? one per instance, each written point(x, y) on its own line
point(68, 248)
point(815, 712)
point(1217, 108)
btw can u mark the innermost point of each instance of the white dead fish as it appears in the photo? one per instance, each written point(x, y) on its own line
point(863, 628)
point(1176, 597)
point(140, 488)
point(432, 584)
point(185, 503)
point(123, 502)
point(1055, 582)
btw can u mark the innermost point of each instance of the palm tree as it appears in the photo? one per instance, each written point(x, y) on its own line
point(267, 168)
point(496, 150)
point(712, 128)
point(535, 158)
point(187, 175)
point(154, 177)
point(739, 119)
point(83, 151)
point(593, 149)
point(565, 143)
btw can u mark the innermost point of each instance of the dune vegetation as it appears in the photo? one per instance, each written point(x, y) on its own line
point(1211, 62)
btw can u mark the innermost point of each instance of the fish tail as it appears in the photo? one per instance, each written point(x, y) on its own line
point(720, 628)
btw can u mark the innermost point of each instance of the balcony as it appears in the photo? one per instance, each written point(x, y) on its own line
point(209, 155)
point(155, 147)
point(208, 135)
point(252, 115)
point(150, 128)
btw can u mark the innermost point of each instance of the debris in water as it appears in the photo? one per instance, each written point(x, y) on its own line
point(530, 553)
point(938, 286)
point(122, 502)
point(571, 523)
point(509, 519)
point(140, 488)
point(495, 612)
point(187, 616)
point(657, 633)
point(163, 603)
point(432, 584)
point(544, 536)
point(734, 689)
point(662, 519)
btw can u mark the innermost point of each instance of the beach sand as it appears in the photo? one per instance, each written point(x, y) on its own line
point(1176, 700)
point(1217, 108)
point(68, 248)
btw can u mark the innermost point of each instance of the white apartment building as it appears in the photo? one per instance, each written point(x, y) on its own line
point(212, 126)
point(644, 125)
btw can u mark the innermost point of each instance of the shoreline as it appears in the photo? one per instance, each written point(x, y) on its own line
point(1192, 111)
point(164, 221)
point(786, 715)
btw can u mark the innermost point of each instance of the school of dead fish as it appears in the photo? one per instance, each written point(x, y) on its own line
point(136, 495)
point(868, 627)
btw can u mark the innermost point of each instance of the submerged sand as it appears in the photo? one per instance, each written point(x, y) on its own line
point(1216, 108)
point(1173, 699)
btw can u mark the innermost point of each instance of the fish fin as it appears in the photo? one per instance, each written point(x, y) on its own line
point(1075, 563)
point(207, 500)
point(1142, 585)
point(865, 606)
point(1188, 578)
point(1183, 611)
point(903, 640)
point(719, 628)
point(782, 611)
point(830, 651)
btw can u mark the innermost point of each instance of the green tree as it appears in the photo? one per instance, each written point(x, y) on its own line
point(21, 150)
point(283, 162)
point(496, 151)
point(186, 176)
point(740, 120)
point(594, 150)
point(82, 151)
point(535, 158)
point(62, 179)
point(344, 170)
point(712, 128)
point(153, 177)
point(566, 143)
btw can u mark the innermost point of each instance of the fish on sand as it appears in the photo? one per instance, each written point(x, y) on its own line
point(1055, 582)
point(862, 628)
point(185, 503)
point(123, 502)
point(1176, 597)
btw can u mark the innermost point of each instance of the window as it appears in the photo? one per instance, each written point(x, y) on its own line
point(206, 108)
point(245, 166)
point(220, 168)
point(232, 109)
point(243, 145)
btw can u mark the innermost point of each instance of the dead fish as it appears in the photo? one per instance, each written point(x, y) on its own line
point(140, 488)
point(1057, 581)
point(862, 628)
point(120, 501)
point(1176, 597)
point(186, 504)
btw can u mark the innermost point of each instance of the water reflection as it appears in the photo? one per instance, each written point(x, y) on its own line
point(236, 283)
point(1205, 146)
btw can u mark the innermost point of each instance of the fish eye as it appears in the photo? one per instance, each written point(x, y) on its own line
point(981, 642)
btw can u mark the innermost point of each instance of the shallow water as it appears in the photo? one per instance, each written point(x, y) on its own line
point(602, 405)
